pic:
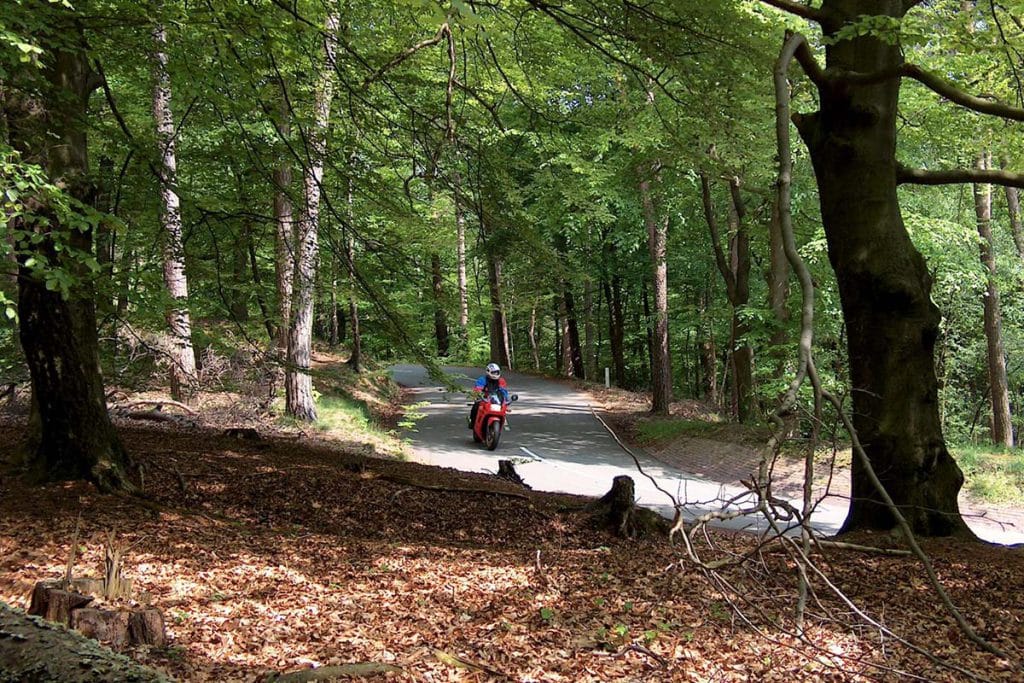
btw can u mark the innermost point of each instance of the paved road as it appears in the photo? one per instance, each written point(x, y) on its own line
point(558, 445)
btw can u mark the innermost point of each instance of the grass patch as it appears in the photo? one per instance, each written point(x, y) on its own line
point(660, 429)
point(992, 474)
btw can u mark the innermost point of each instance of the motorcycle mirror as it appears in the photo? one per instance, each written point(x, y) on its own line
point(515, 397)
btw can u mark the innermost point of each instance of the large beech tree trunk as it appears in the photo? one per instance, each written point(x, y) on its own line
point(999, 393)
point(184, 381)
point(884, 286)
point(661, 358)
point(70, 433)
point(298, 382)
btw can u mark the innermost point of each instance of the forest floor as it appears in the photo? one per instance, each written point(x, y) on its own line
point(291, 551)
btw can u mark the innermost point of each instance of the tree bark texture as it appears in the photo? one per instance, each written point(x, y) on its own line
point(71, 435)
point(661, 359)
point(440, 317)
point(999, 393)
point(884, 286)
point(184, 380)
point(298, 381)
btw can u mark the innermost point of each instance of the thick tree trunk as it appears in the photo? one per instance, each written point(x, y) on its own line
point(661, 358)
point(298, 382)
point(999, 393)
point(70, 433)
point(884, 286)
point(184, 380)
point(440, 317)
point(573, 350)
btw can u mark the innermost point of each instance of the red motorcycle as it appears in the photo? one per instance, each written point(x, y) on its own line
point(490, 419)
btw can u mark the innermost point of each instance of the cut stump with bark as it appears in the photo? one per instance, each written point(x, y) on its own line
point(617, 511)
point(116, 628)
point(507, 471)
point(51, 602)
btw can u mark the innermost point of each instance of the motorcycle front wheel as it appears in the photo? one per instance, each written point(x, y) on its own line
point(493, 434)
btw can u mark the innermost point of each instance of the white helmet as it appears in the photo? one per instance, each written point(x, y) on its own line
point(493, 370)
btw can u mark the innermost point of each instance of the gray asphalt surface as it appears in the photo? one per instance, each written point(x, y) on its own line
point(557, 445)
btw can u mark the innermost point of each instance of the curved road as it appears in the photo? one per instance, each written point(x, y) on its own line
point(558, 445)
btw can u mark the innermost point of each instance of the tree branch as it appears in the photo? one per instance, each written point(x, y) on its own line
point(955, 94)
point(920, 176)
point(800, 10)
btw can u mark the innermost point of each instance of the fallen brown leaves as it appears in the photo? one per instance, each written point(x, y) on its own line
point(282, 555)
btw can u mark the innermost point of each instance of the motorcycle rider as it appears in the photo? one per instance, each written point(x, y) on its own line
point(486, 384)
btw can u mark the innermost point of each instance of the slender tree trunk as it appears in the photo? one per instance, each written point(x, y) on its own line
point(735, 273)
point(355, 360)
point(70, 433)
point(709, 352)
point(184, 381)
point(332, 324)
point(499, 339)
point(534, 350)
point(742, 354)
point(1013, 208)
point(440, 317)
point(238, 307)
point(460, 249)
point(298, 382)
point(616, 329)
point(590, 362)
point(257, 280)
point(999, 394)
point(572, 355)
point(884, 285)
point(661, 358)
point(778, 291)
point(284, 242)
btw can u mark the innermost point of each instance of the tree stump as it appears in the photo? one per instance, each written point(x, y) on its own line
point(110, 627)
point(146, 627)
point(52, 603)
point(507, 471)
point(116, 628)
point(617, 510)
